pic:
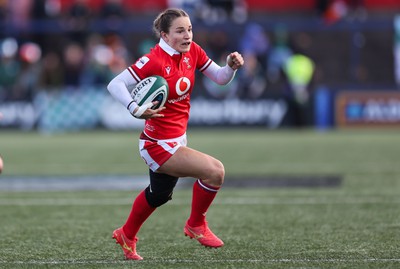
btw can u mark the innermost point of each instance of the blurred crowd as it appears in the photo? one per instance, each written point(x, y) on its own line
point(35, 55)
point(78, 57)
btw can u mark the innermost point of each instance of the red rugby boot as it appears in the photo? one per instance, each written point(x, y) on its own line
point(128, 246)
point(204, 235)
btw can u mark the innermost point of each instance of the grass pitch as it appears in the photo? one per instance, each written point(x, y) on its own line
point(354, 225)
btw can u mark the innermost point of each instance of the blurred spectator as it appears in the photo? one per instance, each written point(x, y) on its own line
point(252, 80)
point(19, 13)
point(254, 46)
point(38, 10)
point(46, 9)
point(44, 12)
point(218, 43)
point(96, 70)
point(396, 50)
point(78, 20)
point(120, 54)
point(97, 63)
point(73, 60)
point(3, 13)
point(192, 7)
point(254, 41)
point(52, 72)
point(321, 6)
point(299, 72)
point(9, 67)
point(335, 10)
point(112, 12)
point(279, 52)
point(219, 11)
point(26, 84)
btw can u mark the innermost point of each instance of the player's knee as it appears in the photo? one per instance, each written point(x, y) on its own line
point(157, 199)
point(217, 175)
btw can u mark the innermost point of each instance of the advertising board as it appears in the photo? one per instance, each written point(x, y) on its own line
point(367, 108)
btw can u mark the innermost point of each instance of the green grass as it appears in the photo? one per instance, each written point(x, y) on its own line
point(247, 151)
point(356, 225)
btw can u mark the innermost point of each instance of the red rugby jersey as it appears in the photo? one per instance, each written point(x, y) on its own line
point(179, 71)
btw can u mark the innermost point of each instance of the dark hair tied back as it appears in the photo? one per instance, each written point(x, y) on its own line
point(164, 20)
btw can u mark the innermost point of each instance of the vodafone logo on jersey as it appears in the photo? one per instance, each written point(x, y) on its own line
point(182, 86)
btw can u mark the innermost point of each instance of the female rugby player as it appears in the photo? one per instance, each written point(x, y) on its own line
point(162, 143)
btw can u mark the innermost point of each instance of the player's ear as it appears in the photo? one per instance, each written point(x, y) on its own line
point(164, 36)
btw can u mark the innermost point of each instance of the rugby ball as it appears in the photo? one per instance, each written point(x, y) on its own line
point(150, 89)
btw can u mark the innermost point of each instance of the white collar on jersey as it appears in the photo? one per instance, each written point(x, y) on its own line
point(167, 48)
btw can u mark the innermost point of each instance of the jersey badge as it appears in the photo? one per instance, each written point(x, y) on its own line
point(186, 60)
point(142, 61)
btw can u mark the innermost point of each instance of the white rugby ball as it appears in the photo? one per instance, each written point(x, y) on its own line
point(150, 89)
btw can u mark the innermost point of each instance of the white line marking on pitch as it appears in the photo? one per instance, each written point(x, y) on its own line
point(180, 201)
point(271, 261)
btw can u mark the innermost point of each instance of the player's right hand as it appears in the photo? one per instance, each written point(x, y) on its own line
point(145, 111)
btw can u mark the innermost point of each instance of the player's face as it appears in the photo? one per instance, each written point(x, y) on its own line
point(180, 34)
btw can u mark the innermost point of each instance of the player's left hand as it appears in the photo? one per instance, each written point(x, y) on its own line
point(235, 60)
